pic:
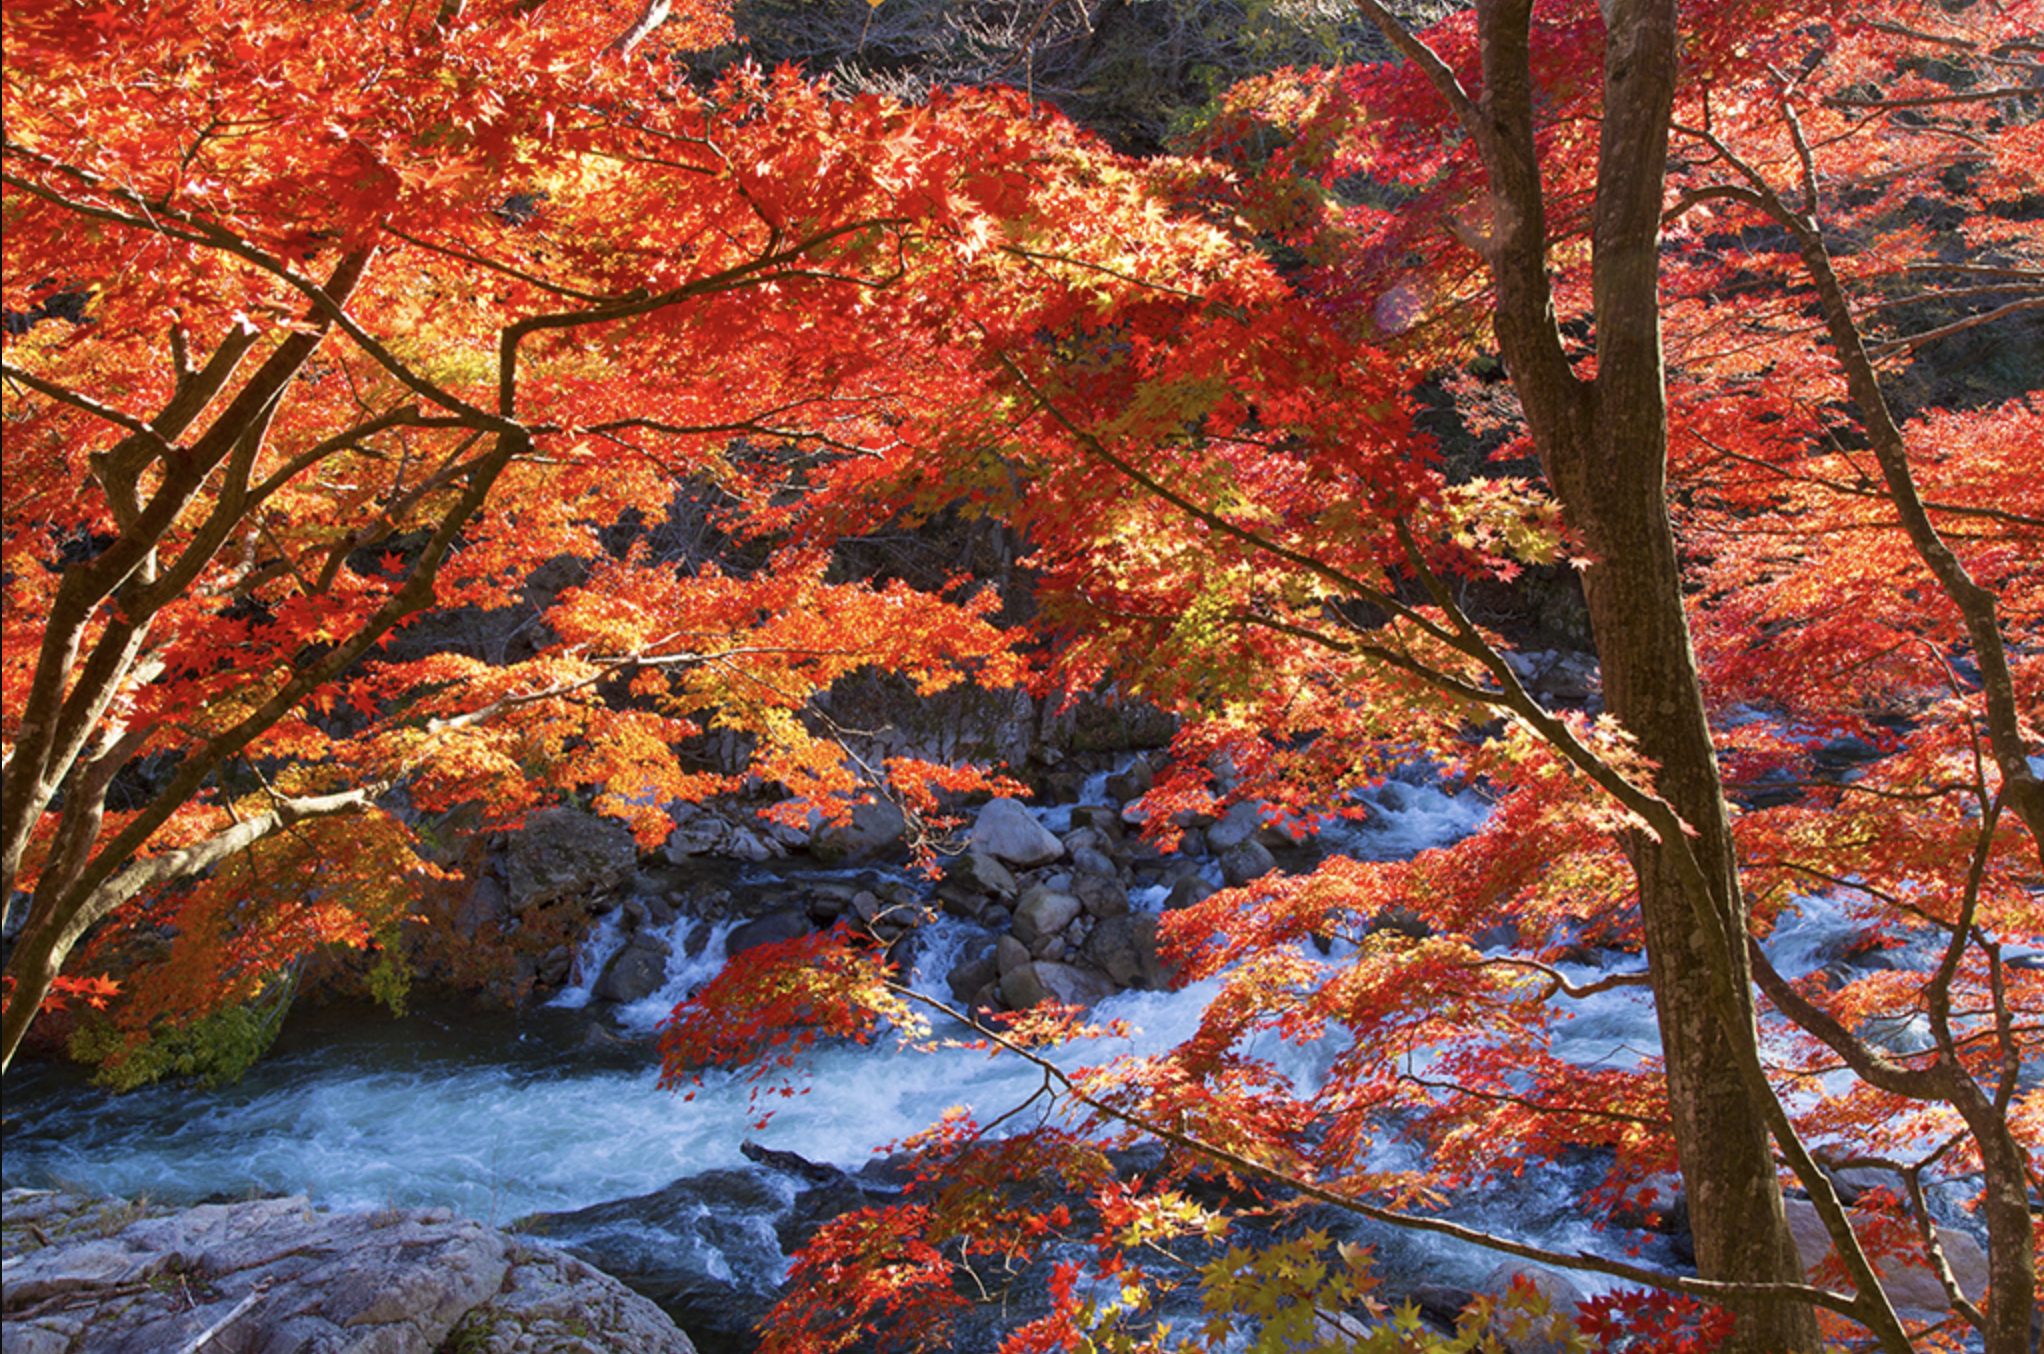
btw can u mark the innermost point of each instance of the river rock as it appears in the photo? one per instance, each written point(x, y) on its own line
point(1009, 954)
point(1132, 783)
point(1090, 860)
point(706, 1247)
point(277, 1274)
point(878, 828)
point(968, 976)
point(1125, 949)
point(1009, 832)
point(1237, 826)
point(1043, 980)
point(638, 971)
point(486, 905)
point(562, 852)
point(1042, 913)
point(1100, 895)
point(1188, 890)
point(1102, 818)
point(1909, 1283)
point(1246, 861)
point(695, 833)
point(774, 927)
point(978, 872)
point(1518, 1333)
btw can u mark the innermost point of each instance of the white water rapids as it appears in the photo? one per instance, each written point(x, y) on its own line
point(501, 1118)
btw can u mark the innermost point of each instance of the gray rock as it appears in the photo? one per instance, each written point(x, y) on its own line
point(554, 1304)
point(1046, 981)
point(1562, 1296)
point(1100, 895)
point(1404, 921)
point(1088, 860)
point(638, 971)
point(1246, 861)
point(1042, 913)
point(1133, 783)
point(275, 1274)
point(1008, 832)
point(773, 927)
point(1237, 826)
point(970, 975)
point(877, 828)
point(977, 872)
point(486, 905)
point(1009, 954)
point(562, 852)
point(695, 833)
point(1908, 1283)
point(1125, 949)
point(1188, 890)
point(1102, 819)
point(1081, 836)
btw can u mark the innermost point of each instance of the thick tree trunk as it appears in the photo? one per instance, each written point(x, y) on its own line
point(1604, 446)
point(1651, 686)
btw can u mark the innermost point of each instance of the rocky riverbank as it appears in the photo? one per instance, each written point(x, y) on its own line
point(97, 1276)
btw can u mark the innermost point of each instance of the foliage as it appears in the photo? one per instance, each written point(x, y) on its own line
point(1234, 515)
point(383, 309)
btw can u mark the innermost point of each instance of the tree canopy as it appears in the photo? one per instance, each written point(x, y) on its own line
point(328, 323)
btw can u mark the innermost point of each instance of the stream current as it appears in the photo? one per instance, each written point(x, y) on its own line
point(507, 1115)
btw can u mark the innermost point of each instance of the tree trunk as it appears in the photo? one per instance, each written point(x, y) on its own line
point(1651, 686)
point(1604, 446)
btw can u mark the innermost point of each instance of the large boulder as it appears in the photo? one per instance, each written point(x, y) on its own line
point(768, 930)
point(1100, 895)
point(1042, 913)
point(1240, 823)
point(562, 852)
point(1518, 1332)
point(878, 829)
point(1910, 1284)
point(980, 874)
point(1041, 981)
point(706, 1247)
point(1125, 949)
point(1246, 861)
point(638, 971)
point(1009, 832)
point(276, 1274)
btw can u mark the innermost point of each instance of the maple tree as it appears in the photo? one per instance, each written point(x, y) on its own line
point(374, 311)
point(1691, 233)
point(387, 309)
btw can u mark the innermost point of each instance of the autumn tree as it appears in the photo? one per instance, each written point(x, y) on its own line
point(1233, 513)
point(368, 311)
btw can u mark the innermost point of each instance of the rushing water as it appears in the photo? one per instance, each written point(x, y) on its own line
point(507, 1116)
point(503, 1116)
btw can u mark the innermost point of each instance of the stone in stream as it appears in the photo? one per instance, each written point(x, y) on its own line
point(638, 971)
point(1042, 980)
point(1910, 1284)
point(1561, 1295)
point(1246, 861)
point(878, 829)
point(562, 852)
point(1010, 833)
point(789, 924)
point(1100, 895)
point(1125, 949)
point(277, 1274)
point(1042, 913)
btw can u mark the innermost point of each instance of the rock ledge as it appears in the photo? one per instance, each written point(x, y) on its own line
point(93, 1276)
